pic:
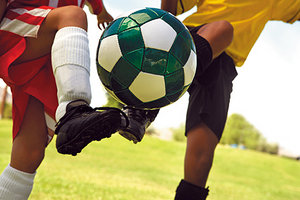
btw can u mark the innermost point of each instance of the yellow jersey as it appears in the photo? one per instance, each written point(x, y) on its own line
point(248, 18)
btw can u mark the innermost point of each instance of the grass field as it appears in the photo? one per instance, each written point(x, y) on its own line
point(115, 169)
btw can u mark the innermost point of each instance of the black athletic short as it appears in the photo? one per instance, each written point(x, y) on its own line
point(210, 93)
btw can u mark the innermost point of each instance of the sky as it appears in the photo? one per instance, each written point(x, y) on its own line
point(265, 92)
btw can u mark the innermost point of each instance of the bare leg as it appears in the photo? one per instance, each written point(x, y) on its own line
point(28, 150)
point(219, 35)
point(201, 143)
point(30, 143)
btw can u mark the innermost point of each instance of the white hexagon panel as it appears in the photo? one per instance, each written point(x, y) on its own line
point(148, 87)
point(190, 68)
point(158, 34)
point(109, 52)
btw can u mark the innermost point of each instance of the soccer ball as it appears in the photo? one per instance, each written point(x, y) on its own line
point(146, 59)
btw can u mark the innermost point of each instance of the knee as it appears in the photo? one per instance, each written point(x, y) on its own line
point(72, 16)
point(225, 29)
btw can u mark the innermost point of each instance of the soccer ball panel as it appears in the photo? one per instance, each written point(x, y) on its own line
point(180, 49)
point(173, 64)
point(159, 12)
point(143, 16)
point(155, 61)
point(148, 87)
point(174, 23)
point(135, 57)
point(103, 75)
point(109, 52)
point(190, 68)
point(158, 34)
point(124, 72)
point(155, 104)
point(174, 81)
point(112, 28)
point(127, 23)
point(129, 98)
point(130, 40)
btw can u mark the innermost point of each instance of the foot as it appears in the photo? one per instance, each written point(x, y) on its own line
point(139, 120)
point(82, 124)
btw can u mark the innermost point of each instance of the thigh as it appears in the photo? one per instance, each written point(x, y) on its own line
point(210, 96)
point(55, 20)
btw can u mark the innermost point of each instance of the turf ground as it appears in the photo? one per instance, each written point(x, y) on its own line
point(115, 169)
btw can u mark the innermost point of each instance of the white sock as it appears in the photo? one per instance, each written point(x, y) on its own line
point(71, 67)
point(15, 184)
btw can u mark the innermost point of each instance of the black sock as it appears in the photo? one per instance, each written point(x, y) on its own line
point(189, 191)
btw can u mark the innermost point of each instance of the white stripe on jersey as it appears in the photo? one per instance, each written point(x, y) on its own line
point(35, 12)
point(19, 27)
point(79, 2)
point(22, 28)
point(53, 3)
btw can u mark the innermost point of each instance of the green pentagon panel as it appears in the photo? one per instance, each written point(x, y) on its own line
point(174, 23)
point(127, 23)
point(103, 75)
point(173, 64)
point(128, 98)
point(181, 49)
point(124, 72)
point(155, 61)
point(135, 58)
point(112, 28)
point(116, 85)
point(174, 97)
point(174, 82)
point(143, 16)
point(159, 12)
point(155, 104)
point(130, 40)
point(185, 34)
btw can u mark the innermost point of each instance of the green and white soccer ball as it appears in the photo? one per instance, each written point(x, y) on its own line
point(146, 59)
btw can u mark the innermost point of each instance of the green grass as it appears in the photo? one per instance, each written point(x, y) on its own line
point(115, 169)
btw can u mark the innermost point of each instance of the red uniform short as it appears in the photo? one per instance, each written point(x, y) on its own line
point(33, 78)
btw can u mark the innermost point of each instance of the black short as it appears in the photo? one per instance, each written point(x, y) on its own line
point(210, 95)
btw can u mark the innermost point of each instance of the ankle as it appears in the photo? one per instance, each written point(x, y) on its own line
point(189, 191)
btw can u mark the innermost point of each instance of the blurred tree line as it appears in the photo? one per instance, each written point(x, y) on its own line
point(239, 131)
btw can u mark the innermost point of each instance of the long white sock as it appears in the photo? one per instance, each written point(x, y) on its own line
point(71, 66)
point(15, 184)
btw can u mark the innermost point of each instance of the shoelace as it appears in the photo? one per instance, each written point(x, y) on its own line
point(87, 109)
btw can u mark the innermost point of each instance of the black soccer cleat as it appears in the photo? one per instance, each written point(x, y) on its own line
point(139, 120)
point(82, 124)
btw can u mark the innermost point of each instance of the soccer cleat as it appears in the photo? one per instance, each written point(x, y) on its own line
point(139, 120)
point(82, 124)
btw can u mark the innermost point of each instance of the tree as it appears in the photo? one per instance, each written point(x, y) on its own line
point(239, 131)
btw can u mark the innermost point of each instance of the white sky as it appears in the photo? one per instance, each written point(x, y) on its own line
point(266, 91)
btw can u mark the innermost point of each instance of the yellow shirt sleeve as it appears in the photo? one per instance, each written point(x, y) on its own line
point(286, 10)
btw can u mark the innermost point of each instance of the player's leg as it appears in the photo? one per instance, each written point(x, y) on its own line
point(206, 115)
point(63, 33)
point(28, 149)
